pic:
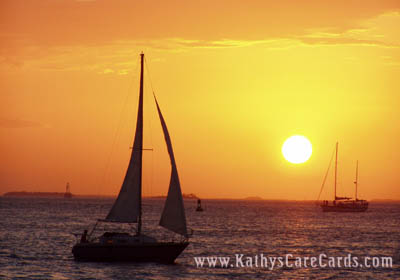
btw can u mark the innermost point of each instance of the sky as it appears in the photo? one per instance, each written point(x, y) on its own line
point(234, 80)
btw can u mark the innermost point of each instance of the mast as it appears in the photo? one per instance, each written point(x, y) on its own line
point(140, 167)
point(337, 144)
point(356, 181)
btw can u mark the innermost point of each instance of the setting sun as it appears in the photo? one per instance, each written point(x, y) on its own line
point(297, 149)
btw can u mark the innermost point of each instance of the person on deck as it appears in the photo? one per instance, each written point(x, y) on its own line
point(84, 237)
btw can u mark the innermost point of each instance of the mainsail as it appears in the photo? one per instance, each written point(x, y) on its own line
point(173, 215)
point(127, 207)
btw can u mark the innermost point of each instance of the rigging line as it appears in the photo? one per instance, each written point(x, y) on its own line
point(148, 74)
point(100, 185)
point(151, 174)
point(150, 129)
point(326, 176)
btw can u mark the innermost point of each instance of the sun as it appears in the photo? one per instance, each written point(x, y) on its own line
point(297, 149)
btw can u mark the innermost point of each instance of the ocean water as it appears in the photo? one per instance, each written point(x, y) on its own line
point(36, 237)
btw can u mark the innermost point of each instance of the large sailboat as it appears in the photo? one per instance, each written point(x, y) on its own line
point(138, 247)
point(344, 204)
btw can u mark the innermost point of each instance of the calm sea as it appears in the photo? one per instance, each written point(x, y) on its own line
point(36, 237)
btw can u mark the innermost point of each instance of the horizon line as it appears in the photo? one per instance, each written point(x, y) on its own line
point(248, 198)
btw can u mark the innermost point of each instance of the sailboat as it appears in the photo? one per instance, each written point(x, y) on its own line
point(67, 193)
point(344, 204)
point(127, 208)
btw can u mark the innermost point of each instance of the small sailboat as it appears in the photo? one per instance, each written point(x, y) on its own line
point(67, 193)
point(199, 208)
point(344, 204)
point(138, 247)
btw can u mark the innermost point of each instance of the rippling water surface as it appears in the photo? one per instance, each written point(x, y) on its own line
point(36, 237)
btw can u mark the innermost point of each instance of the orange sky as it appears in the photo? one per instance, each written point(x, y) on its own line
point(234, 79)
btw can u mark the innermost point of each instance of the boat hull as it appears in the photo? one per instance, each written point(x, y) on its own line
point(163, 252)
point(344, 208)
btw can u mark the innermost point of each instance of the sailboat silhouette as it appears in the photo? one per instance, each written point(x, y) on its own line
point(117, 246)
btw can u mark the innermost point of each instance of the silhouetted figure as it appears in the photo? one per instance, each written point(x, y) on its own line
point(67, 193)
point(84, 237)
point(199, 209)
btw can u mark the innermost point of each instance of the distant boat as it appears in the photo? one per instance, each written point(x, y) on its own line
point(67, 193)
point(138, 247)
point(344, 204)
point(199, 208)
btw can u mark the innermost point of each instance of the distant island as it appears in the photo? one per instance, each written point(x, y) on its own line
point(59, 195)
point(36, 194)
point(187, 196)
point(253, 198)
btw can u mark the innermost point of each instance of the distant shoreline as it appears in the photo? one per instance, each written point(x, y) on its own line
point(35, 194)
point(61, 195)
point(185, 196)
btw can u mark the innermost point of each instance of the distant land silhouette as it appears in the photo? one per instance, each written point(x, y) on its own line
point(36, 194)
point(188, 196)
point(253, 198)
point(185, 196)
point(59, 195)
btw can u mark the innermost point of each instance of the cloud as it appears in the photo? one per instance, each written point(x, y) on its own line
point(380, 31)
point(107, 71)
point(18, 123)
point(116, 52)
point(48, 23)
point(223, 43)
point(345, 41)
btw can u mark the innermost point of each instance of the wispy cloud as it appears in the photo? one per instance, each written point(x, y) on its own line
point(118, 56)
point(380, 31)
point(211, 44)
point(345, 41)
